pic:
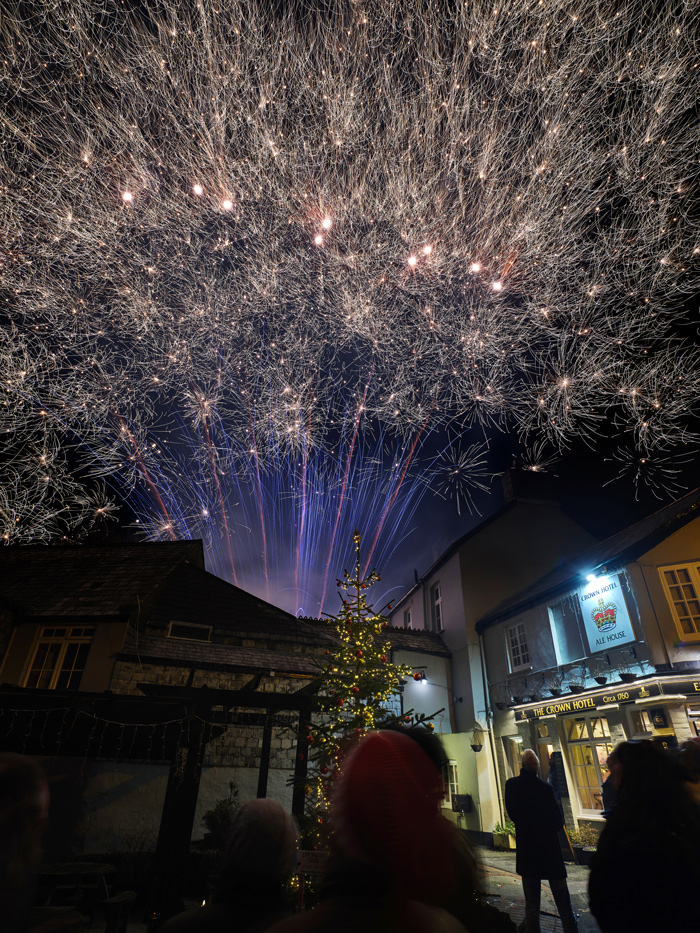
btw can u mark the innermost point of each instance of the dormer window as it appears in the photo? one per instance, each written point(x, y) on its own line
point(60, 657)
point(189, 631)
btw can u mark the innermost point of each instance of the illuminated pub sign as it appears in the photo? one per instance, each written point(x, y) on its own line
point(616, 695)
point(621, 693)
point(606, 620)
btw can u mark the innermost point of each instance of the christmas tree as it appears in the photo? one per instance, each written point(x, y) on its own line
point(360, 690)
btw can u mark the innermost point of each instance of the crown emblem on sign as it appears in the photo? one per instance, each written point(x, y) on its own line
point(605, 616)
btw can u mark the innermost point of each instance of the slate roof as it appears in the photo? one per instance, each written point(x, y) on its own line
point(197, 596)
point(407, 639)
point(627, 545)
point(89, 580)
point(173, 652)
point(166, 580)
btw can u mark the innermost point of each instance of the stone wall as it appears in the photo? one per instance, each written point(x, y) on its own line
point(240, 746)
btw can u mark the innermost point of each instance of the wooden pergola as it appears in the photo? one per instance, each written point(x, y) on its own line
point(167, 723)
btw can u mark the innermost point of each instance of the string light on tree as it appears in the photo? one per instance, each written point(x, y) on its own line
point(360, 688)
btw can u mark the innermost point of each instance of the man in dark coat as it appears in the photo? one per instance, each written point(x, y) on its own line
point(533, 808)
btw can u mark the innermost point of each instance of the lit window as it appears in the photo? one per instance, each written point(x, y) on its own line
point(682, 585)
point(60, 657)
point(451, 782)
point(407, 619)
point(190, 631)
point(436, 601)
point(517, 648)
point(589, 745)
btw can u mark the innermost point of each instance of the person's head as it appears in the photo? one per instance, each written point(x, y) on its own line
point(645, 773)
point(431, 745)
point(530, 761)
point(690, 758)
point(24, 807)
point(260, 851)
point(652, 797)
point(384, 814)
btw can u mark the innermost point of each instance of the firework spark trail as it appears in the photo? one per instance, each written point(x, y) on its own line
point(204, 417)
point(343, 488)
point(302, 513)
point(491, 210)
point(392, 499)
point(168, 525)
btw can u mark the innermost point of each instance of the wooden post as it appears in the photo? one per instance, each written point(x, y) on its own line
point(265, 755)
point(176, 822)
point(301, 764)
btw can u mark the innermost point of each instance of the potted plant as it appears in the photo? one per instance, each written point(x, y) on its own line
point(518, 690)
point(553, 682)
point(576, 844)
point(576, 680)
point(218, 820)
point(584, 842)
point(501, 696)
point(477, 737)
point(504, 835)
point(625, 662)
point(599, 670)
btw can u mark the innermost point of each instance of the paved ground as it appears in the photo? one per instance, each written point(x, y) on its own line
point(505, 892)
point(502, 888)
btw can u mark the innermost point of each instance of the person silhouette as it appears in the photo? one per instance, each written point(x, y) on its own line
point(24, 807)
point(249, 894)
point(533, 808)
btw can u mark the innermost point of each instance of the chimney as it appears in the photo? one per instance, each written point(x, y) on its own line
point(529, 486)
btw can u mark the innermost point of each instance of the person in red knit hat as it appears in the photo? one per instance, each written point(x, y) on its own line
point(391, 847)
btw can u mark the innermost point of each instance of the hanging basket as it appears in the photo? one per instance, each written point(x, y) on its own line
point(477, 748)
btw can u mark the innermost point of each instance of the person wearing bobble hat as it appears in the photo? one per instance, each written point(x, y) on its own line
point(258, 861)
point(533, 808)
point(390, 845)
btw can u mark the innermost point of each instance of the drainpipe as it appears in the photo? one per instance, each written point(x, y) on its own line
point(489, 715)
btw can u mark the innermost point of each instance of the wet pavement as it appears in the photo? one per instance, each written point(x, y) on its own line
point(503, 890)
point(501, 887)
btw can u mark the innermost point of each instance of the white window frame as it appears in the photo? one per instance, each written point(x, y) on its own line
point(436, 607)
point(408, 617)
point(199, 632)
point(693, 571)
point(450, 780)
point(62, 637)
point(523, 661)
point(589, 741)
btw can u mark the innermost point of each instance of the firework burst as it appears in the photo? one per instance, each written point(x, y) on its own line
point(281, 233)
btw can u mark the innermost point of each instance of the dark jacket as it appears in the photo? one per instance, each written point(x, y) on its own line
point(533, 808)
point(643, 879)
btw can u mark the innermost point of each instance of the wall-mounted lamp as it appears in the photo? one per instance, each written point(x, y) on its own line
point(419, 677)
